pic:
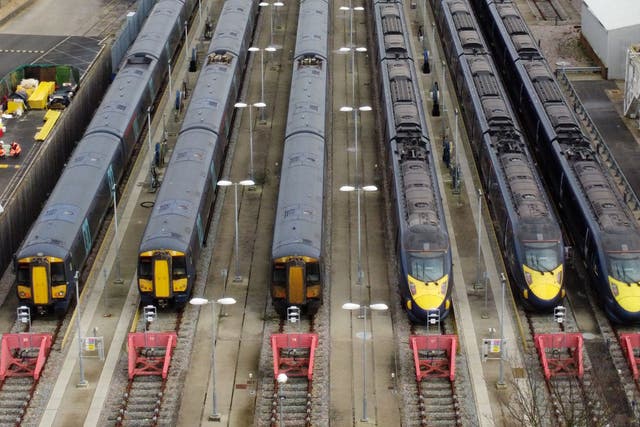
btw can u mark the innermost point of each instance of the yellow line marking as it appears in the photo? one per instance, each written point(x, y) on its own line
point(134, 323)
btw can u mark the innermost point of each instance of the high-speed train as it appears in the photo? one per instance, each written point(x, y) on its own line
point(527, 228)
point(593, 210)
point(296, 253)
point(59, 242)
point(176, 230)
point(422, 239)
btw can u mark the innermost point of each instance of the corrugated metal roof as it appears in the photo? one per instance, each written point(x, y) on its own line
point(615, 14)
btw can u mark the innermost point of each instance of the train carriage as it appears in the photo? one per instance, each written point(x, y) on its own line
point(527, 228)
point(296, 254)
point(177, 228)
point(597, 219)
point(422, 239)
point(59, 242)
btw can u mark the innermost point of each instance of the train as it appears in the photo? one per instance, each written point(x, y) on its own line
point(60, 241)
point(527, 227)
point(421, 236)
point(176, 231)
point(296, 254)
point(598, 221)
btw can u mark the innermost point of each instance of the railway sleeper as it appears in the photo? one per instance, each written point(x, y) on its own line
point(10, 420)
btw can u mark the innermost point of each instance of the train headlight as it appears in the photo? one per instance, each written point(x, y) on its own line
point(412, 287)
point(527, 277)
point(614, 288)
point(443, 287)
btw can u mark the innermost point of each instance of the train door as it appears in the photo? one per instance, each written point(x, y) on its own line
point(40, 281)
point(162, 275)
point(296, 287)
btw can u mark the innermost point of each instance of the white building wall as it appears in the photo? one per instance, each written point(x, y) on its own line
point(595, 33)
point(620, 40)
point(609, 44)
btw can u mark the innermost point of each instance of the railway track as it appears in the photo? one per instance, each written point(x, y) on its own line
point(299, 401)
point(568, 399)
point(18, 395)
point(550, 10)
point(438, 399)
point(143, 397)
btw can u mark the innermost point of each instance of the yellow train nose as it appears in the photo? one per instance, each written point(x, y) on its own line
point(630, 303)
point(427, 302)
point(545, 290)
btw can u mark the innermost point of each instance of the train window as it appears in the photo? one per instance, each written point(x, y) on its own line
point(625, 267)
point(313, 272)
point(279, 274)
point(426, 266)
point(144, 267)
point(179, 266)
point(23, 273)
point(542, 256)
point(57, 272)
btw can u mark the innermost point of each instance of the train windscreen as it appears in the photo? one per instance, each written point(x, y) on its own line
point(426, 266)
point(542, 256)
point(625, 267)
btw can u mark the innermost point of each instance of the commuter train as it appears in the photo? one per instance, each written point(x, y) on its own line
point(422, 239)
point(176, 230)
point(296, 253)
point(528, 230)
point(594, 212)
point(59, 242)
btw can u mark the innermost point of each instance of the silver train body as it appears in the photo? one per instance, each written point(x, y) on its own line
point(528, 231)
point(62, 237)
point(176, 230)
point(296, 253)
point(595, 215)
point(422, 239)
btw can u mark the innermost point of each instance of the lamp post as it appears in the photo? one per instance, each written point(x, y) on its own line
point(274, 4)
point(118, 279)
point(244, 105)
point(282, 380)
point(186, 41)
point(256, 49)
point(358, 190)
point(355, 131)
point(377, 307)
point(215, 415)
point(82, 383)
point(501, 383)
point(226, 183)
point(353, 51)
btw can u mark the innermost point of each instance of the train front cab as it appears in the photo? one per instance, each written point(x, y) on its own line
point(543, 273)
point(163, 277)
point(624, 285)
point(296, 281)
point(41, 283)
point(427, 278)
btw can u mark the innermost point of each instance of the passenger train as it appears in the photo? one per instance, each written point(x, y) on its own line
point(594, 212)
point(527, 228)
point(421, 236)
point(296, 253)
point(59, 242)
point(177, 228)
